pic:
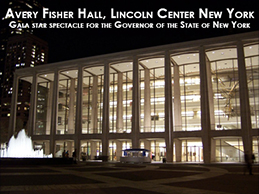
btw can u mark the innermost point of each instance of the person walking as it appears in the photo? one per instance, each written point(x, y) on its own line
point(74, 156)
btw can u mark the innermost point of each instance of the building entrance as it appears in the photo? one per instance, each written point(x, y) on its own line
point(192, 151)
point(116, 148)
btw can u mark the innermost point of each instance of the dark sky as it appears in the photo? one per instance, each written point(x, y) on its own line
point(65, 44)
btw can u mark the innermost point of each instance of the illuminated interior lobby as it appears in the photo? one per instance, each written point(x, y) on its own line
point(194, 101)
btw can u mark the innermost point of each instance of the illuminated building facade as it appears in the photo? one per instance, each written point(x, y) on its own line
point(194, 101)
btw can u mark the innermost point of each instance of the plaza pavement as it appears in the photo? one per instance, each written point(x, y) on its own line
point(117, 178)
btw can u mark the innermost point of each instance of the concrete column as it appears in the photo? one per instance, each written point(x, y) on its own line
point(135, 105)
point(178, 150)
point(78, 121)
point(177, 100)
point(69, 148)
point(12, 120)
point(93, 150)
point(54, 110)
point(33, 104)
point(147, 144)
point(119, 111)
point(147, 103)
point(205, 106)
point(246, 126)
point(185, 145)
point(46, 148)
point(94, 113)
point(210, 93)
point(118, 150)
point(49, 106)
point(106, 111)
point(211, 107)
point(168, 109)
point(71, 124)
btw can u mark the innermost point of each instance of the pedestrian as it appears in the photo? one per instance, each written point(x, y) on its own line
point(74, 156)
point(64, 154)
point(67, 154)
point(253, 158)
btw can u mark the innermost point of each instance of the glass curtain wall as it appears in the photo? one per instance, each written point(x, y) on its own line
point(256, 148)
point(229, 150)
point(252, 68)
point(192, 150)
point(92, 107)
point(189, 74)
point(44, 104)
point(114, 104)
point(158, 149)
point(23, 103)
point(67, 102)
point(112, 151)
point(121, 77)
point(86, 151)
point(152, 100)
point(116, 148)
point(90, 149)
point(225, 84)
point(64, 148)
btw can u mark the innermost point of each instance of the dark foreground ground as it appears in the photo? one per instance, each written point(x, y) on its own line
point(111, 178)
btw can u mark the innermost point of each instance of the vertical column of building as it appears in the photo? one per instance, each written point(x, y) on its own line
point(54, 109)
point(205, 106)
point(79, 102)
point(46, 147)
point(119, 111)
point(135, 104)
point(106, 111)
point(147, 145)
point(168, 108)
point(147, 102)
point(49, 105)
point(94, 113)
point(246, 126)
point(71, 124)
point(212, 112)
point(118, 150)
point(12, 119)
point(177, 112)
point(93, 149)
point(33, 103)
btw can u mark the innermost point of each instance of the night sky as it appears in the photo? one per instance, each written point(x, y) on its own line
point(66, 44)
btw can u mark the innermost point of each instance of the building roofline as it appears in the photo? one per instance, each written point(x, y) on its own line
point(144, 52)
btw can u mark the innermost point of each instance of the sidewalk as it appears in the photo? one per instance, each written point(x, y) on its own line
point(107, 178)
